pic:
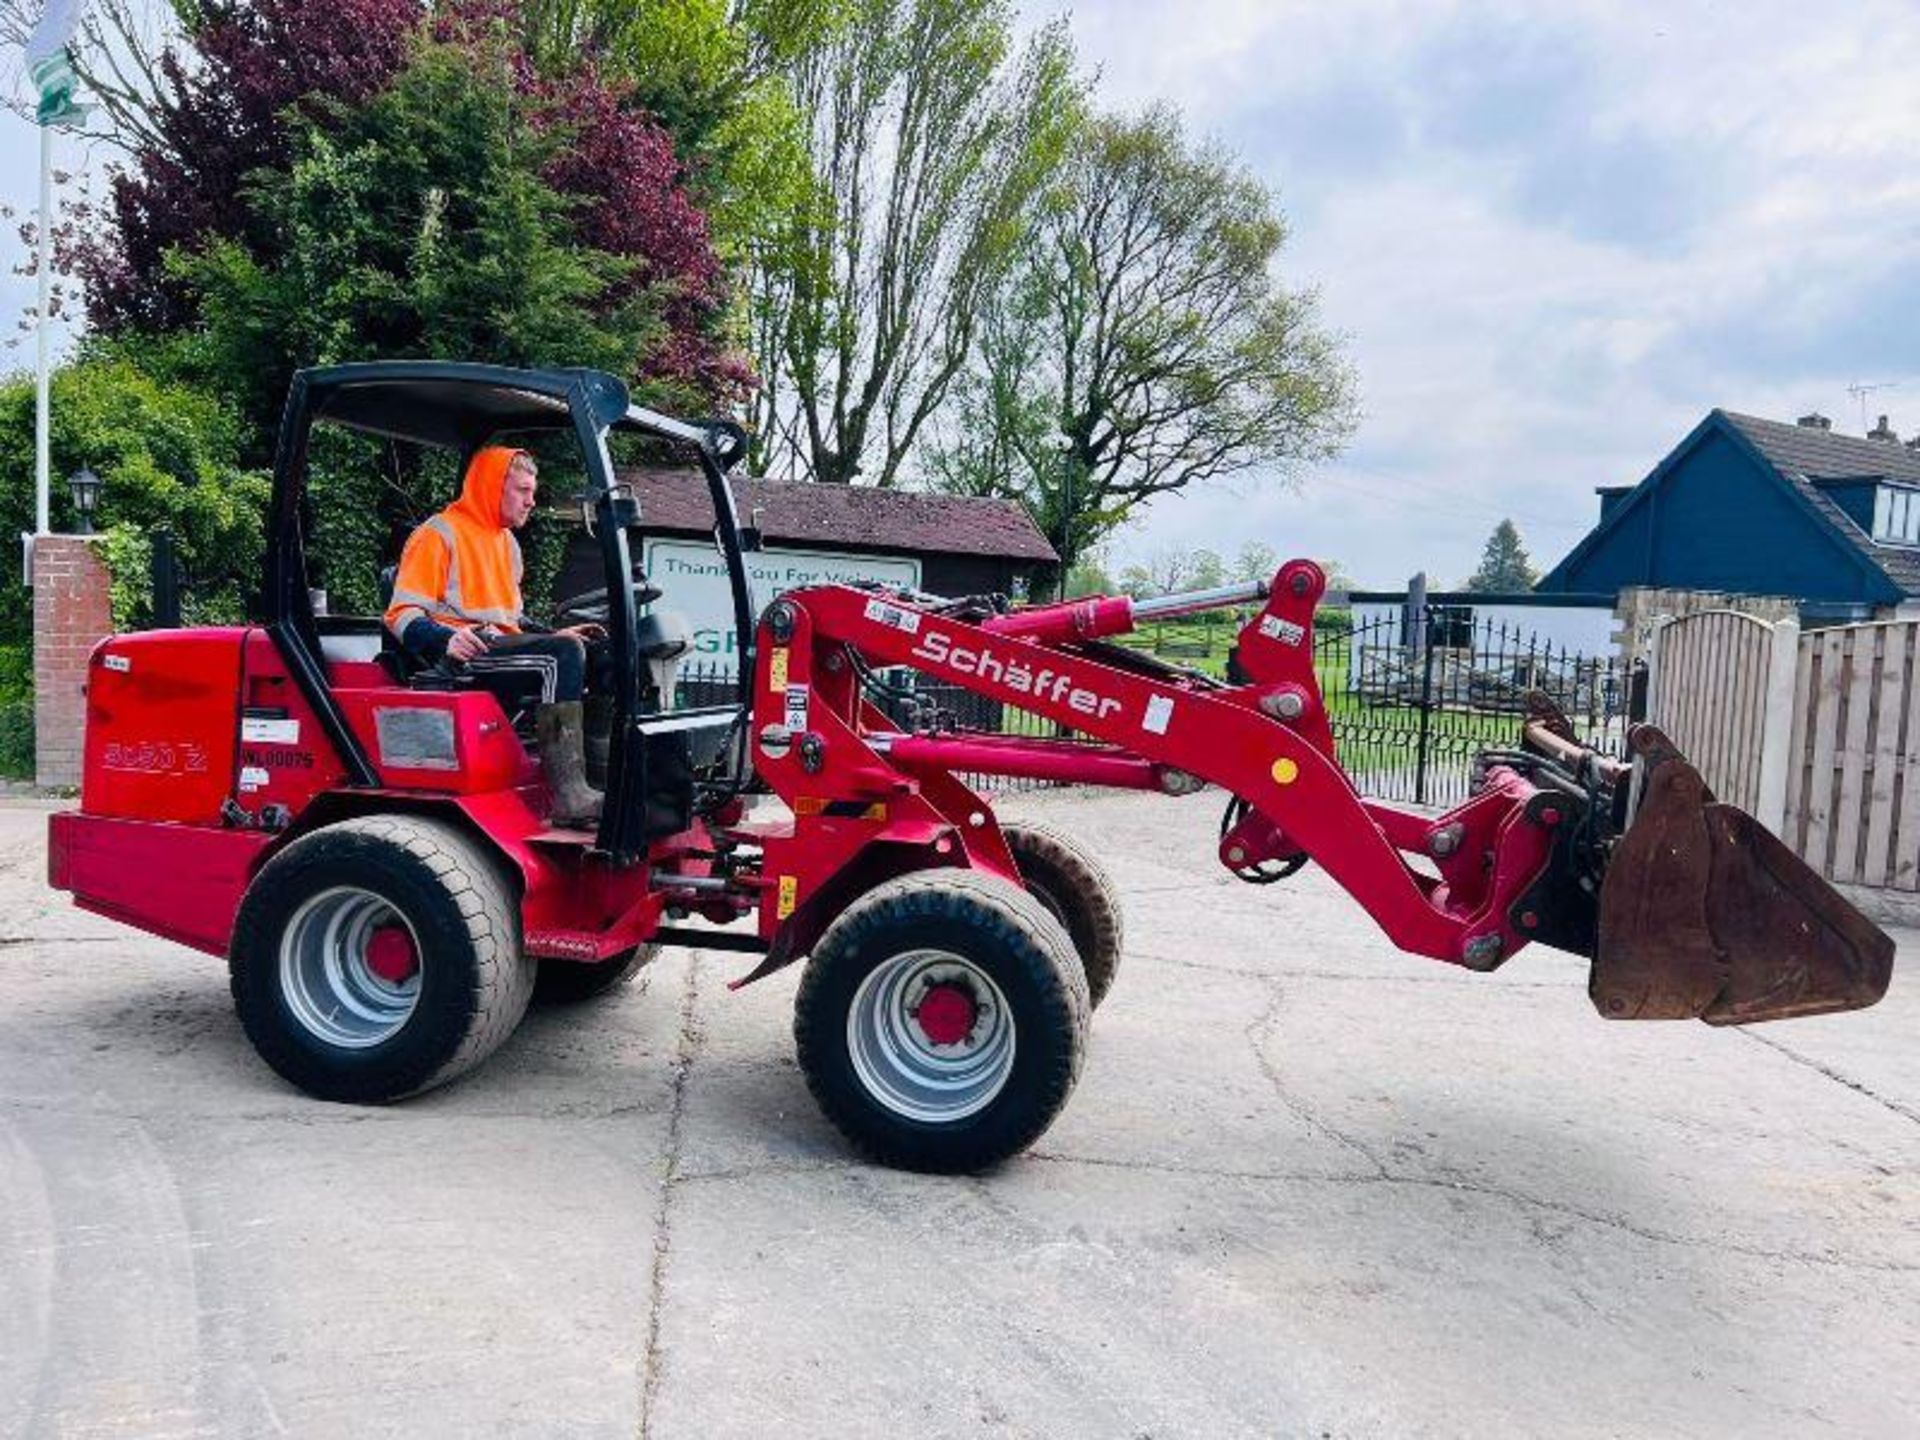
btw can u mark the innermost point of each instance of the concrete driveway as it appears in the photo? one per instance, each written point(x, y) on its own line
point(1307, 1186)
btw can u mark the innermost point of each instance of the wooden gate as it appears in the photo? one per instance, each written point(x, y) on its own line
point(1713, 676)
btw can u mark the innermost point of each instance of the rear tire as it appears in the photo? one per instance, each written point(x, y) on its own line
point(379, 957)
point(569, 982)
point(1063, 876)
point(942, 1021)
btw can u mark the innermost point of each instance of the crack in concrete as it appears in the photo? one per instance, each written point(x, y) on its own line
point(1261, 1029)
point(1256, 1034)
point(1904, 1112)
point(1451, 975)
point(1201, 1172)
point(776, 1167)
point(6, 940)
point(689, 1044)
point(1518, 1198)
point(1180, 889)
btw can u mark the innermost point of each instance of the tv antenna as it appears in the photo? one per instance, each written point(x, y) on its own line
point(1860, 392)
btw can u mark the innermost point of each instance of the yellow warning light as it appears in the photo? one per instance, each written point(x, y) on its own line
point(1286, 771)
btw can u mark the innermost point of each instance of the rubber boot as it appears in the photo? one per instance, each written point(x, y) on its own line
point(563, 757)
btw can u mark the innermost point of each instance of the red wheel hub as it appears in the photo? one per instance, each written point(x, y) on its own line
point(946, 1014)
point(390, 954)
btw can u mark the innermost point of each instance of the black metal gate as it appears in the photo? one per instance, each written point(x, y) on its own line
point(1414, 695)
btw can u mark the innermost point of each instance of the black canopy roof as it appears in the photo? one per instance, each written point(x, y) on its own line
point(455, 404)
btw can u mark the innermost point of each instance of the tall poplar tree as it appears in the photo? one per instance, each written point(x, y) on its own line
point(1142, 342)
point(929, 138)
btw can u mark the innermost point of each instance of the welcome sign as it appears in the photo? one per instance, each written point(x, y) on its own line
point(693, 579)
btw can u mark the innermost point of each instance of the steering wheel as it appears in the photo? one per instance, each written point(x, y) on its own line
point(589, 607)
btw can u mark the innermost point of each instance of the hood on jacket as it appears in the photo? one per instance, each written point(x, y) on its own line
point(486, 482)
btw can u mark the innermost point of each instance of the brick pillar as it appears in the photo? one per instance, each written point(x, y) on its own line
point(72, 612)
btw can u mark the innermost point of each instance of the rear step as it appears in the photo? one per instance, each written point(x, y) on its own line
point(1704, 912)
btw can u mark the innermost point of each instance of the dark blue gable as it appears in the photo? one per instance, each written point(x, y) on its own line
point(1715, 515)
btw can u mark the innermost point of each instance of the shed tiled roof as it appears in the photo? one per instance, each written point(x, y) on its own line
point(1804, 456)
point(840, 516)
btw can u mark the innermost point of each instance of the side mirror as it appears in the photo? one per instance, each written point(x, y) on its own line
point(727, 442)
point(750, 538)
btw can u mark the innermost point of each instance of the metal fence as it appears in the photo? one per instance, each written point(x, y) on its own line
point(1412, 696)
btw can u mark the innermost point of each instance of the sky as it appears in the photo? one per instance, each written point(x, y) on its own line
point(1552, 235)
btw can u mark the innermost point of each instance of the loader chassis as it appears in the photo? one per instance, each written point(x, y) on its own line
point(322, 798)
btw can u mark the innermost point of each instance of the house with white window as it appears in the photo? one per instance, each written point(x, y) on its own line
point(1763, 507)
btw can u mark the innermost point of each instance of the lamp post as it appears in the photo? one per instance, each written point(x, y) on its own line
point(85, 487)
point(1062, 446)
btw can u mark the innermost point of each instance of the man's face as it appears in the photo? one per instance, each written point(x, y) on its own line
point(516, 501)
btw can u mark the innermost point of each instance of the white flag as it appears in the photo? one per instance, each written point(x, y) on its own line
point(49, 63)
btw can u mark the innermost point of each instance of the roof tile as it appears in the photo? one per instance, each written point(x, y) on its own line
point(1804, 455)
point(836, 516)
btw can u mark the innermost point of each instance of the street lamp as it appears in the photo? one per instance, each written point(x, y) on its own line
point(86, 487)
point(1061, 444)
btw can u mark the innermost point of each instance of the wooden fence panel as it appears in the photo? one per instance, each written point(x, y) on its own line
point(1800, 768)
point(1878, 780)
point(1853, 809)
point(1826, 751)
point(1825, 651)
point(1903, 842)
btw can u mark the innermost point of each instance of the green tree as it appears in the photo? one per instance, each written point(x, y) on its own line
point(1140, 342)
point(169, 457)
point(422, 226)
point(714, 73)
point(1208, 570)
point(1089, 576)
point(1504, 567)
point(1256, 561)
point(929, 141)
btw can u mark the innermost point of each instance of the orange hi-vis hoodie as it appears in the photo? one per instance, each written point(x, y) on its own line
point(463, 567)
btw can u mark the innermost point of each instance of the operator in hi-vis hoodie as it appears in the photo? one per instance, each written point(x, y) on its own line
point(456, 599)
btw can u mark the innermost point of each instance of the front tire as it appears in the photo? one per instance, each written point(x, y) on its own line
point(941, 1022)
point(377, 958)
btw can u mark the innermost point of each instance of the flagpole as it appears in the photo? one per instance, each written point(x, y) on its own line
point(42, 427)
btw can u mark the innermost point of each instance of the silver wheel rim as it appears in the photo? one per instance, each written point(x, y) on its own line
point(905, 1069)
point(330, 988)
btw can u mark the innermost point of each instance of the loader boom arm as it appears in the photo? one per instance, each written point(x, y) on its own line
point(1267, 741)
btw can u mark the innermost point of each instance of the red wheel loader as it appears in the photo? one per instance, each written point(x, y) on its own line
point(369, 844)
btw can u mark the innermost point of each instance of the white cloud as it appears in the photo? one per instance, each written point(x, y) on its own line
point(1555, 237)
